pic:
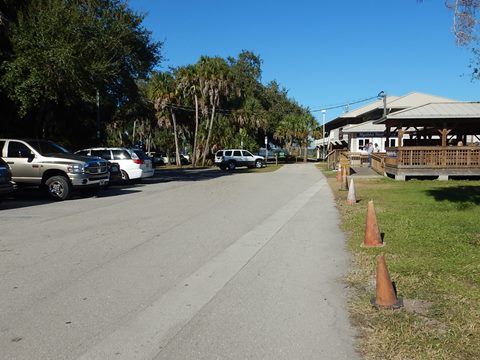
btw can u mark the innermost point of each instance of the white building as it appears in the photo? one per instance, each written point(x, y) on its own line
point(355, 129)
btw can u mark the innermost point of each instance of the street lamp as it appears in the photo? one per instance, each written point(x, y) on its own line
point(383, 95)
point(323, 135)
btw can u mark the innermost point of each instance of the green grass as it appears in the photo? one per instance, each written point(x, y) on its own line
point(432, 248)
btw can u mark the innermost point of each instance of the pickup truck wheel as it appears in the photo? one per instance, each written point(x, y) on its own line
point(58, 188)
point(232, 165)
point(258, 164)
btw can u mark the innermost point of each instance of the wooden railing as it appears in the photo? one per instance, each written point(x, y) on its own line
point(357, 159)
point(434, 157)
point(334, 157)
point(378, 162)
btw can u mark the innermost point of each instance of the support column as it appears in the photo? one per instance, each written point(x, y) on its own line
point(444, 132)
point(387, 137)
point(401, 132)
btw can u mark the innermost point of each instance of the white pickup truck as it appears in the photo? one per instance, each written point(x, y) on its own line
point(48, 165)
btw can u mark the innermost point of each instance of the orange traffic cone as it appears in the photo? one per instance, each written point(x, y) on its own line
point(373, 237)
point(339, 172)
point(386, 295)
point(351, 198)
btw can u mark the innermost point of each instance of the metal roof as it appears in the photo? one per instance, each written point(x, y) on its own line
point(367, 108)
point(440, 110)
point(368, 126)
point(414, 99)
point(409, 100)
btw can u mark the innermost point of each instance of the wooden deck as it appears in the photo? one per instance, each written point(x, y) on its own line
point(435, 161)
point(441, 162)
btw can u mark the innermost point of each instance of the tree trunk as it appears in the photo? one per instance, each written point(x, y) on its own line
point(207, 144)
point(194, 152)
point(177, 152)
point(306, 149)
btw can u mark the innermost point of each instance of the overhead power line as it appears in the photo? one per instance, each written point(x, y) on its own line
point(347, 104)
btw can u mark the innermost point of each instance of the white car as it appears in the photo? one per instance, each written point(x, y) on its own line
point(134, 163)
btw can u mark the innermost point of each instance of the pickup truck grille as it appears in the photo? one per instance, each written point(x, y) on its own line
point(96, 167)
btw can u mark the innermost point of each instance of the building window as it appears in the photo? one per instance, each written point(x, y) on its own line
point(360, 144)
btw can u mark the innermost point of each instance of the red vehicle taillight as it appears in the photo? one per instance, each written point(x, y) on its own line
point(138, 161)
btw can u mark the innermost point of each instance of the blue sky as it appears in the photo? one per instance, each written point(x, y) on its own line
point(324, 52)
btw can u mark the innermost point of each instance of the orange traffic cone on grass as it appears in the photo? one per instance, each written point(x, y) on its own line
point(386, 296)
point(351, 198)
point(373, 238)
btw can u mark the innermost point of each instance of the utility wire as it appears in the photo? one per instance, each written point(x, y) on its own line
point(330, 107)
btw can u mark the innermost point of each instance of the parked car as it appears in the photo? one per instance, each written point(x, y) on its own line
point(6, 184)
point(276, 155)
point(47, 165)
point(183, 159)
point(158, 158)
point(232, 158)
point(134, 163)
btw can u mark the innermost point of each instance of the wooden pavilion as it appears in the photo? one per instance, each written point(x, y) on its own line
point(444, 141)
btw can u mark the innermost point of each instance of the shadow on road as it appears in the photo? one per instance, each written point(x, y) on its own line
point(25, 197)
point(168, 175)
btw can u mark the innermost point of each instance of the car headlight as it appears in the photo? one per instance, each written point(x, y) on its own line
point(75, 168)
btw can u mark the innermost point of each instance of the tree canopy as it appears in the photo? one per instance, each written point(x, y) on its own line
point(218, 103)
point(65, 54)
point(82, 71)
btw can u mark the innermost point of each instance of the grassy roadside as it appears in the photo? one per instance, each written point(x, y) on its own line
point(432, 248)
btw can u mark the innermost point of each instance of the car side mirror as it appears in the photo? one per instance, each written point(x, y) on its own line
point(30, 157)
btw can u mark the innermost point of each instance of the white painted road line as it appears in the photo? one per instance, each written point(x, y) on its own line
point(145, 335)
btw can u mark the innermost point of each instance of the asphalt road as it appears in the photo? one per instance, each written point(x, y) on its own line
point(187, 265)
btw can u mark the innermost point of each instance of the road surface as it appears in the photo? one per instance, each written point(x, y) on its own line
point(187, 265)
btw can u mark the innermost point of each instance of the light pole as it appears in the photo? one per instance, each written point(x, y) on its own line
point(383, 95)
point(98, 114)
point(323, 135)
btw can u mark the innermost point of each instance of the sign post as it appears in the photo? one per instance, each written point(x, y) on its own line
point(266, 149)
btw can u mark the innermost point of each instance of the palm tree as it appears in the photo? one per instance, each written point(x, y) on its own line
point(188, 83)
point(295, 128)
point(163, 93)
point(215, 84)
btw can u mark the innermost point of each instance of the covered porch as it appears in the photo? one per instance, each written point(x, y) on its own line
point(443, 142)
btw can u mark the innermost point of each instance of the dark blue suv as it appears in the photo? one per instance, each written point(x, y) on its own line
point(6, 184)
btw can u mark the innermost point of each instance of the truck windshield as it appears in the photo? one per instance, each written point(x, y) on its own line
point(47, 147)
